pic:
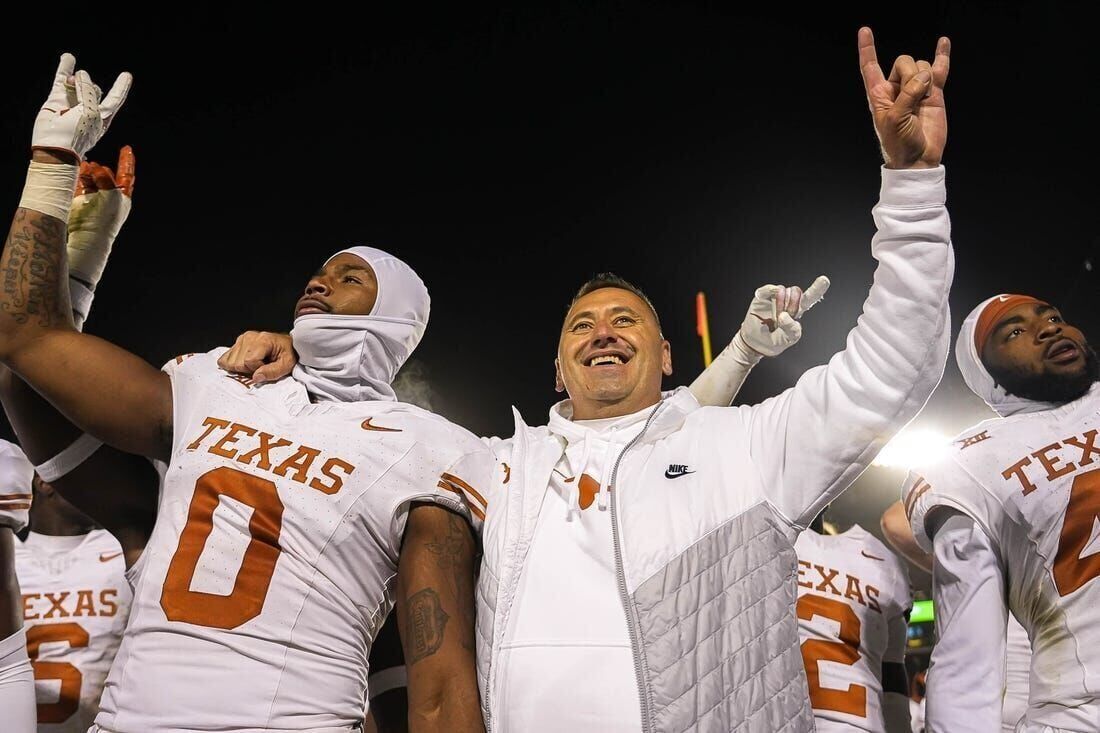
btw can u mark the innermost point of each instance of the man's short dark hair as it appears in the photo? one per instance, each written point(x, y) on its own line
point(611, 280)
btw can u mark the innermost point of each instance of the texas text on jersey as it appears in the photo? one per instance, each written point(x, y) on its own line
point(270, 568)
point(1032, 485)
point(75, 603)
point(853, 601)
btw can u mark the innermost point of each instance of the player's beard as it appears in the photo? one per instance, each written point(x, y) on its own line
point(1046, 387)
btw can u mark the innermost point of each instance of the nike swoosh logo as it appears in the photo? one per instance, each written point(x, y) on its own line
point(677, 475)
point(367, 426)
point(1002, 298)
point(864, 553)
point(108, 556)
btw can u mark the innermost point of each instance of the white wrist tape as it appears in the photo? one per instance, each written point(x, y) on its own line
point(64, 462)
point(81, 296)
point(391, 678)
point(49, 189)
point(94, 223)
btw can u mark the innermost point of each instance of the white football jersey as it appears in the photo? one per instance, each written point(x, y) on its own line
point(853, 598)
point(75, 604)
point(273, 558)
point(1017, 675)
point(1032, 483)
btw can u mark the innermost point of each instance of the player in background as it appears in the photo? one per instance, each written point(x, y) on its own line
point(1010, 515)
point(853, 609)
point(896, 530)
point(76, 600)
point(288, 510)
point(16, 675)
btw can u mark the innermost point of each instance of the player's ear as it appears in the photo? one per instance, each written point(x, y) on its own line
point(666, 358)
point(559, 383)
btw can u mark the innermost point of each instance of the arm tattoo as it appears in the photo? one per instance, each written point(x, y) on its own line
point(448, 550)
point(425, 621)
point(33, 269)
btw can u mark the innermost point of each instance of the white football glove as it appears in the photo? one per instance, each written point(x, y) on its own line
point(771, 326)
point(16, 474)
point(73, 118)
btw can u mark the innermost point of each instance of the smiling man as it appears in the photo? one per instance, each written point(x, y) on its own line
point(1010, 515)
point(639, 570)
point(639, 566)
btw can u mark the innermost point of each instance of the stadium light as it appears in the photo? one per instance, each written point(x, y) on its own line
point(912, 446)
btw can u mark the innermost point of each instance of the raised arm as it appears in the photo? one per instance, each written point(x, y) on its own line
point(118, 490)
point(104, 390)
point(770, 328)
point(435, 615)
point(813, 440)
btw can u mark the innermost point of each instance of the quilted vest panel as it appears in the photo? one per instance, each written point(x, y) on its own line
point(720, 636)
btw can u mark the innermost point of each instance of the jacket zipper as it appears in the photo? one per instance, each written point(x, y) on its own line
point(631, 621)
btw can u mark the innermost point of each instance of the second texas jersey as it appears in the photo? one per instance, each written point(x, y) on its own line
point(271, 566)
point(1032, 483)
point(75, 603)
point(853, 601)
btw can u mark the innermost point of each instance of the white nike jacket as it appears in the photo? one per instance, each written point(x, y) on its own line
point(705, 559)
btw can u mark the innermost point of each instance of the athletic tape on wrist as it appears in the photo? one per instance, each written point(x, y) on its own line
point(94, 223)
point(391, 678)
point(49, 189)
point(81, 296)
point(64, 462)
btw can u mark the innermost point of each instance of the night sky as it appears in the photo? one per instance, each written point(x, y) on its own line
point(510, 153)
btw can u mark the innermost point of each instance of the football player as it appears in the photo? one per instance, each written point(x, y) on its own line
point(288, 510)
point(1010, 516)
point(853, 608)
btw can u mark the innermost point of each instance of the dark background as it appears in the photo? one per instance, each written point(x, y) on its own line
point(508, 153)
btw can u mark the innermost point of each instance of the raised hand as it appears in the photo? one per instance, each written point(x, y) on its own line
point(74, 117)
point(908, 108)
point(771, 325)
point(100, 207)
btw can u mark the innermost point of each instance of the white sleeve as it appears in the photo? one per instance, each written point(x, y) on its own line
point(17, 685)
point(813, 440)
point(721, 381)
point(967, 674)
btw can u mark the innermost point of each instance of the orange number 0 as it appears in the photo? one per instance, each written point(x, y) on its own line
point(68, 700)
point(846, 651)
point(245, 602)
point(1070, 571)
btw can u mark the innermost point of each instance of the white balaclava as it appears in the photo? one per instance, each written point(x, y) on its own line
point(355, 358)
point(976, 329)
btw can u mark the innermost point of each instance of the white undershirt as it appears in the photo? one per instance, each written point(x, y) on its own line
point(566, 660)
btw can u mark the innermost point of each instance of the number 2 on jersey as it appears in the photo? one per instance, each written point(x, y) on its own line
point(1071, 571)
point(852, 701)
point(246, 600)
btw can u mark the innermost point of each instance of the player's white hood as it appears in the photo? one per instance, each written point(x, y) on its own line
point(978, 378)
point(355, 358)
